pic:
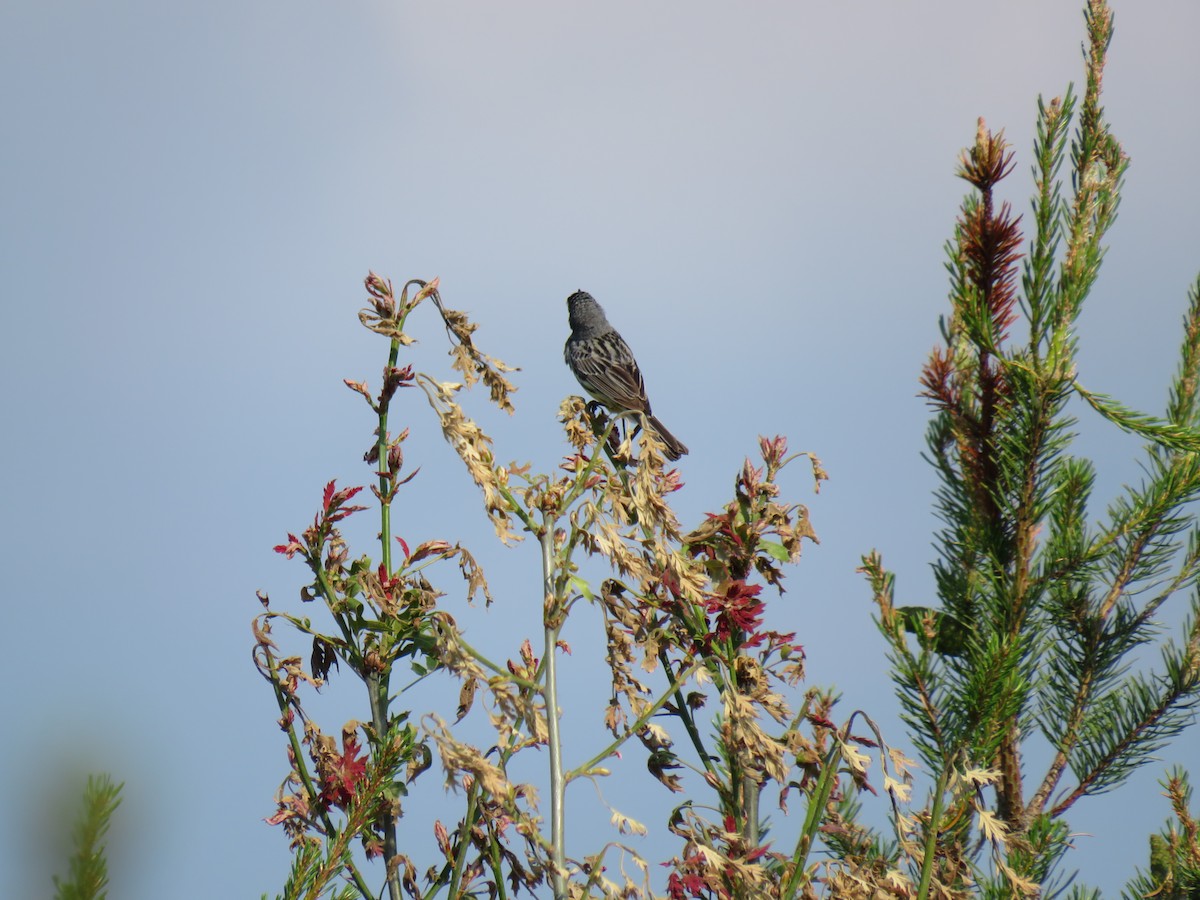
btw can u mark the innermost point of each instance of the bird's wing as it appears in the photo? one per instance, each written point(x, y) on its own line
point(616, 383)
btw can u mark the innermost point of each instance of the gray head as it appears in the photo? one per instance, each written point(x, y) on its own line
point(585, 314)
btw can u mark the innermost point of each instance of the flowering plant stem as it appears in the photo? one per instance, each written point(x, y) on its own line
point(931, 836)
point(552, 605)
point(378, 681)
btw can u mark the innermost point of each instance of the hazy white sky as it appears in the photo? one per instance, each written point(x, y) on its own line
point(757, 193)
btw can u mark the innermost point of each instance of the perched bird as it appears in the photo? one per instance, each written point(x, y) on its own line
point(604, 366)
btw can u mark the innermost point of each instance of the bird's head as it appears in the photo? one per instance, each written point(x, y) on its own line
point(583, 312)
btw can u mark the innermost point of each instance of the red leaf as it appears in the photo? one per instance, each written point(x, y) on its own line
point(332, 500)
point(291, 548)
point(429, 548)
point(342, 774)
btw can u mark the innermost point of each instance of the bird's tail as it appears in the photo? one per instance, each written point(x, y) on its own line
point(675, 447)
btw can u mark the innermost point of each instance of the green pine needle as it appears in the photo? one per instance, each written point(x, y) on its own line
point(88, 879)
point(1165, 434)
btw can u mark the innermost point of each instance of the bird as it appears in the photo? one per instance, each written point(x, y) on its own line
point(604, 366)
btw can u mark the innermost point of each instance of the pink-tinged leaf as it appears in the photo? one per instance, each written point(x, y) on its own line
point(442, 837)
point(343, 512)
point(291, 548)
point(773, 449)
point(333, 499)
point(821, 721)
point(527, 653)
point(429, 548)
point(346, 493)
point(404, 546)
point(756, 854)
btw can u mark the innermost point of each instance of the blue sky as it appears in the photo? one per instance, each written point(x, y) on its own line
point(757, 193)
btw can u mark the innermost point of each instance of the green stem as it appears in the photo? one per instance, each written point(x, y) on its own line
point(385, 477)
point(516, 507)
point(331, 600)
point(582, 478)
point(637, 725)
point(931, 834)
point(812, 822)
point(499, 670)
point(472, 811)
point(685, 714)
point(378, 682)
point(377, 691)
point(750, 790)
point(557, 785)
point(464, 838)
point(499, 876)
point(331, 830)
